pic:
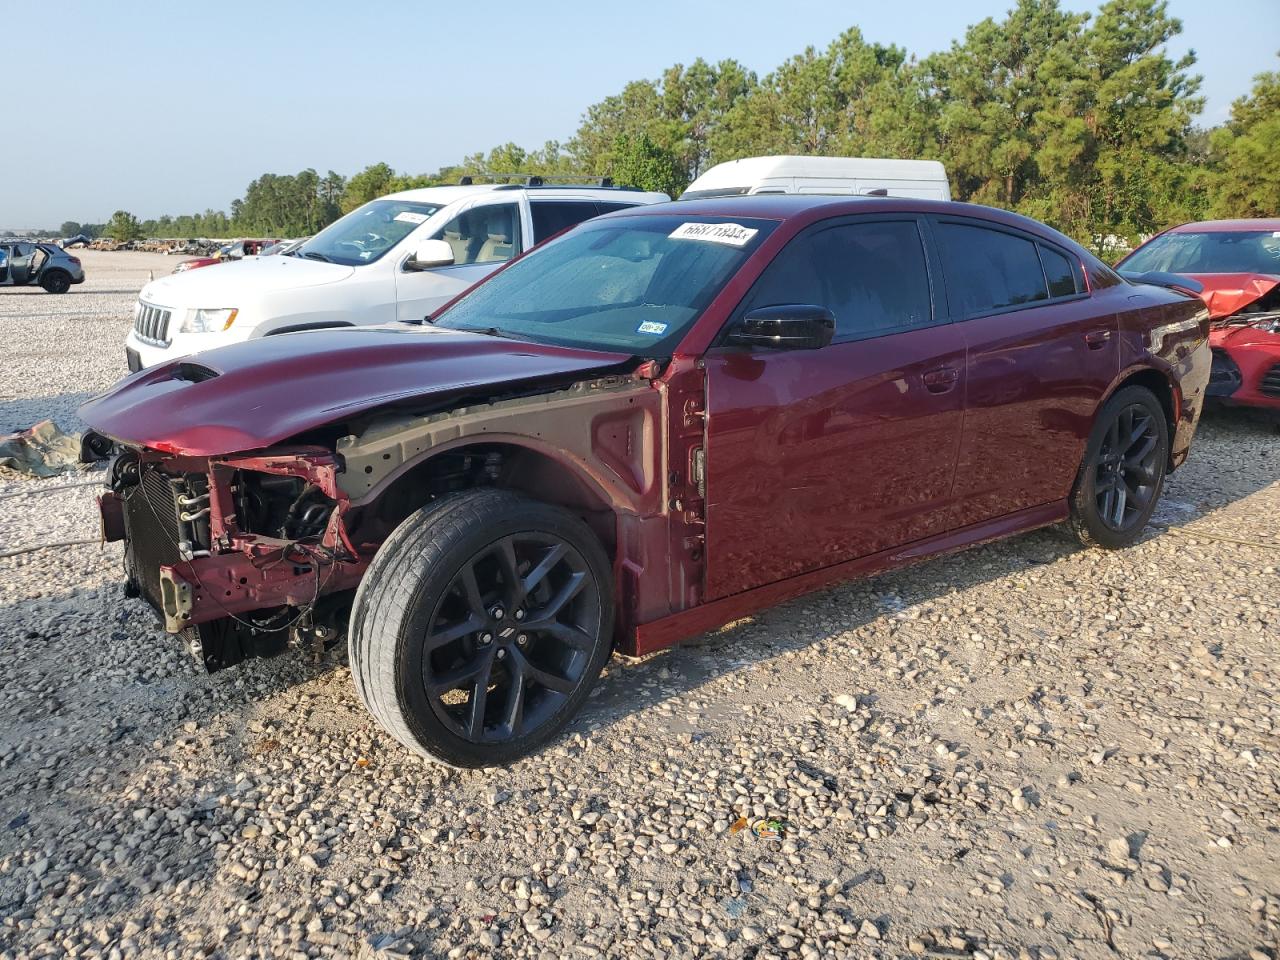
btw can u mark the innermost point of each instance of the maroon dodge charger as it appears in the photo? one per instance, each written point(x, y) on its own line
point(658, 422)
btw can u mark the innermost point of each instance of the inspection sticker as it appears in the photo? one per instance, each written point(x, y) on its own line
point(408, 216)
point(734, 234)
point(652, 326)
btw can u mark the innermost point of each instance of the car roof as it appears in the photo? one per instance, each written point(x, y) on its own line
point(449, 194)
point(812, 207)
point(1259, 224)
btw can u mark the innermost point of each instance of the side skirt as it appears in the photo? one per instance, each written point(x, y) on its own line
point(668, 631)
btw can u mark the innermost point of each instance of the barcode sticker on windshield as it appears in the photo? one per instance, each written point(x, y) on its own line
point(734, 234)
point(408, 216)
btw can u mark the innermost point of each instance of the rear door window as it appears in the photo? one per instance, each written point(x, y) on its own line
point(989, 270)
point(872, 275)
point(552, 216)
point(603, 207)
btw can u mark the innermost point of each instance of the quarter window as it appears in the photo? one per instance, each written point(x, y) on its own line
point(990, 270)
point(872, 276)
point(1059, 273)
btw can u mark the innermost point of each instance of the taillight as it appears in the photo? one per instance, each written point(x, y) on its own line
point(75, 260)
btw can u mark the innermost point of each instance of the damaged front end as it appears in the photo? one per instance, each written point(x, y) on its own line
point(1246, 347)
point(239, 554)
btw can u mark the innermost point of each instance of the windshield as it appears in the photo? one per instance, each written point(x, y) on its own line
point(1245, 251)
point(366, 233)
point(624, 284)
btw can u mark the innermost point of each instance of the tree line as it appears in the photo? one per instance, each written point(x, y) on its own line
point(1081, 120)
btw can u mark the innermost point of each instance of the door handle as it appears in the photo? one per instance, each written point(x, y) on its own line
point(940, 379)
point(1097, 339)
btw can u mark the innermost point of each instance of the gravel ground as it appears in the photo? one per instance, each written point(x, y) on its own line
point(1029, 750)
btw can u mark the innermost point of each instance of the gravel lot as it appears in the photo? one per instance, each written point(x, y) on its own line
point(1029, 750)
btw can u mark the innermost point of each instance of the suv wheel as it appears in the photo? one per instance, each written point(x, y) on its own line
point(480, 627)
point(1123, 470)
point(56, 282)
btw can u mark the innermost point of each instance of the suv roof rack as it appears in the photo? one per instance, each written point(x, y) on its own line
point(543, 180)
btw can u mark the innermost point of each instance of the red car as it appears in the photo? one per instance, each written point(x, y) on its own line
point(654, 424)
point(232, 251)
point(1238, 264)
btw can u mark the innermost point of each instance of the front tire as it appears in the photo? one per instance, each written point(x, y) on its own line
point(1123, 471)
point(480, 627)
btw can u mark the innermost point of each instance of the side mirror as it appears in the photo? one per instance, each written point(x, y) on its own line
point(788, 326)
point(432, 253)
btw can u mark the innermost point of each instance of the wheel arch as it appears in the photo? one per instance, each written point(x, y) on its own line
point(523, 465)
point(1160, 383)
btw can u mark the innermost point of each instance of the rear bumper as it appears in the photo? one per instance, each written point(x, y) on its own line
point(1246, 368)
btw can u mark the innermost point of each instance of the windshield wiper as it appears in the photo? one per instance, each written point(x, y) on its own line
point(316, 256)
point(494, 332)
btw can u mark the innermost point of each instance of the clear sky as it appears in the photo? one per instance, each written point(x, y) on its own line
point(161, 107)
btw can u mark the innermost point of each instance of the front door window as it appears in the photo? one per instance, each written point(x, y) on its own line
point(489, 234)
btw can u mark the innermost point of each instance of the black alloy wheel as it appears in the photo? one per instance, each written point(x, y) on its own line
point(1126, 477)
point(481, 625)
point(511, 637)
point(1123, 470)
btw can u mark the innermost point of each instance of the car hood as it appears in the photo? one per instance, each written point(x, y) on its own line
point(1229, 293)
point(261, 392)
point(235, 281)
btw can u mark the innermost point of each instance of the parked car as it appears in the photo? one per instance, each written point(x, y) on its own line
point(662, 421)
point(195, 263)
point(281, 247)
point(226, 254)
point(1236, 264)
point(25, 263)
point(398, 257)
point(79, 240)
point(925, 179)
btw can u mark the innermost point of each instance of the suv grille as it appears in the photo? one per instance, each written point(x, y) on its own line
point(151, 324)
point(1271, 382)
point(154, 530)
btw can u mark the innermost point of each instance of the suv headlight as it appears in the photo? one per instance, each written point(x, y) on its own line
point(209, 321)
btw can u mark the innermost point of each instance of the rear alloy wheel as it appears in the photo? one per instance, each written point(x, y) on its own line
point(56, 282)
point(1123, 470)
point(480, 627)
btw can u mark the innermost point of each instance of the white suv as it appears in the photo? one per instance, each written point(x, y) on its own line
point(396, 258)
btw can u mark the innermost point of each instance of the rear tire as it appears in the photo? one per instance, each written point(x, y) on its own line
point(56, 282)
point(480, 627)
point(1123, 471)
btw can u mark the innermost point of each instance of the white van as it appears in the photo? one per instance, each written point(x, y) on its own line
point(396, 258)
point(924, 179)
